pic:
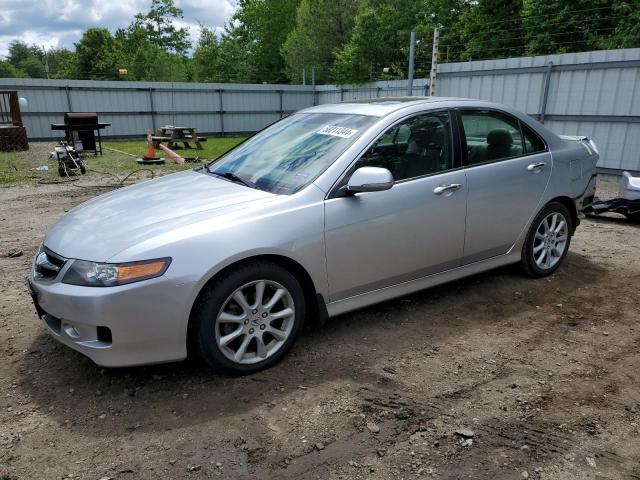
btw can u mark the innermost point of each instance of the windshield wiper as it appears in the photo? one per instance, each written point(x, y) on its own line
point(234, 178)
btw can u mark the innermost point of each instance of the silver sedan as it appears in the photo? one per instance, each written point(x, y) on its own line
point(329, 210)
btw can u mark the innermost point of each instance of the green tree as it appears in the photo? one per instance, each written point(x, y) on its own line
point(62, 63)
point(233, 61)
point(144, 60)
point(558, 26)
point(96, 55)
point(493, 29)
point(380, 39)
point(33, 67)
point(322, 27)
point(19, 52)
point(158, 65)
point(159, 27)
point(261, 28)
point(7, 70)
point(26, 59)
point(626, 34)
point(205, 62)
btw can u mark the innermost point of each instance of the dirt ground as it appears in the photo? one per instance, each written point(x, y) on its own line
point(541, 379)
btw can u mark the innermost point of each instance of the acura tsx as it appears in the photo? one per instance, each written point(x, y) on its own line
point(331, 209)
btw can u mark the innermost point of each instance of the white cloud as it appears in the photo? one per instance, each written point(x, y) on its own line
point(60, 23)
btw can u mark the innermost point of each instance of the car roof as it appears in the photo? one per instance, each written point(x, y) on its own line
point(380, 106)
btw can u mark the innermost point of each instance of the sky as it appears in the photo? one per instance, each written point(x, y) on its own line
point(60, 23)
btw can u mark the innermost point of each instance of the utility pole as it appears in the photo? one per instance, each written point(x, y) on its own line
point(46, 61)
point(434, 62)
point(412, 54)
point(313, 82)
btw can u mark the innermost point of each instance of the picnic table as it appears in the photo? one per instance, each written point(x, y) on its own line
point(174, 135)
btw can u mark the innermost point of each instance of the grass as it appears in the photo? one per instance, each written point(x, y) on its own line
point(20, 167)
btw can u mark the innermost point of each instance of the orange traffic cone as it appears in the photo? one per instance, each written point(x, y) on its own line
point(151, 152)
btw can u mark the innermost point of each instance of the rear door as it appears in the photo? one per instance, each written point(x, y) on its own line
point(508, 168)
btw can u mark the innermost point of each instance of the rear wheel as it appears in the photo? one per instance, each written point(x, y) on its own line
point(249, 318)
point(548, 241)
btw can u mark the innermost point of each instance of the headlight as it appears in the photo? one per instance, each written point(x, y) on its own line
point(91, 274)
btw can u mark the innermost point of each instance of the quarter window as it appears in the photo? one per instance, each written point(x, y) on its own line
point(532, 142)
point(491, 136)
point(415, 147)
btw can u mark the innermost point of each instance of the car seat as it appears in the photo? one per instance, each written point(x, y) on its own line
point(499, 142)
point(426, 151)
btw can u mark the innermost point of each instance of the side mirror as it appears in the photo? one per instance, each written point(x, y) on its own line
point(370, 179)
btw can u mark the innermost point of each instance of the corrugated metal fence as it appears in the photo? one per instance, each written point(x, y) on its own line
point(593, 93)
point(133, 107)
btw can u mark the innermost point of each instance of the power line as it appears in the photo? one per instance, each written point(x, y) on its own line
point(594, 20)
point(554, 14)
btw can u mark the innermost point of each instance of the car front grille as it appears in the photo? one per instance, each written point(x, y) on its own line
point(48, 264)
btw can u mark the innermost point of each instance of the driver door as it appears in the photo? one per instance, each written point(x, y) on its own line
point(378, 239)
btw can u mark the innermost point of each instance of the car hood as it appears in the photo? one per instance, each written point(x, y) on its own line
point(100, 228)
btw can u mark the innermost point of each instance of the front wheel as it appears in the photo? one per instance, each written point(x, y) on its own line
point(248, 318)
point(548, 241)
point(634, 217)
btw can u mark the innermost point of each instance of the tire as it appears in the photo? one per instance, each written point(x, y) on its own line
point(536, 264)
point(62, 171)
point(83, 169)
point(633, 217)
point(218, 316)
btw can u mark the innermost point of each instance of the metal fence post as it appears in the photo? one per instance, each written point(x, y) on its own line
point(412, 51)
point(281, 111)
point(153, 110)
point(341, 93)
point(545, 92)
point(67, 90)
point(221, 111)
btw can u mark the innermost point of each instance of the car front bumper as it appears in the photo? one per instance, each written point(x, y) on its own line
point(135, 324)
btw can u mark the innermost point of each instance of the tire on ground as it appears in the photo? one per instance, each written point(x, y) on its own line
point(212, 299)
point(527, 262)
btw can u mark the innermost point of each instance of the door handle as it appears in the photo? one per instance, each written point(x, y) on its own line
point(446, 188)
point(536, 166)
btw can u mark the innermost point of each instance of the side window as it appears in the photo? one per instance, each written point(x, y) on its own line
point(388, 138)
point(491, 136)
point(415, 147)
point(532, 142)
point(396, 135)
point(404, 132)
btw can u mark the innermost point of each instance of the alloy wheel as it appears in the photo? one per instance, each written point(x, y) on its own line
point(255, 321)
point(550, 241)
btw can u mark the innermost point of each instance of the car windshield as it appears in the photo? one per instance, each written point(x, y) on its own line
point(291, 153)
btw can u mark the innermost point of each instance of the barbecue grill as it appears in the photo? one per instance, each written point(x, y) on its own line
point(80, 131)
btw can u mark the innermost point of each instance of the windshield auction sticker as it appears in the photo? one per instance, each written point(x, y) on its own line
point(335, 131)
